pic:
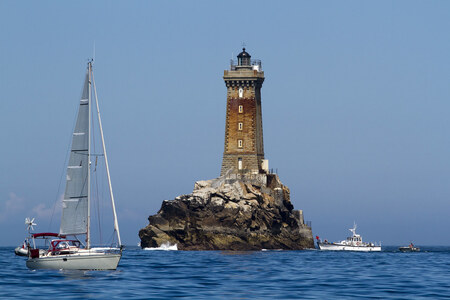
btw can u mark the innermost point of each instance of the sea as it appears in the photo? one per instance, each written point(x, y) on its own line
point(310, 274)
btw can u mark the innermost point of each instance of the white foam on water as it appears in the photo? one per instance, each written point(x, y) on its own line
point(164, 247)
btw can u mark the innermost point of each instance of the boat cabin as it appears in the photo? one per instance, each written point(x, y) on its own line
point(355, 239)
point(63, 246)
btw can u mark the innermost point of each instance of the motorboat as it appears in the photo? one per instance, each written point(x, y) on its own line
point(410, 248)
point(352, 243)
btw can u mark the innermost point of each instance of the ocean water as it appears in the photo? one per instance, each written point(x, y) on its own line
point(240, 275)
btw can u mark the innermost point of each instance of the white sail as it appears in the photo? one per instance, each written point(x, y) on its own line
point(75, 203)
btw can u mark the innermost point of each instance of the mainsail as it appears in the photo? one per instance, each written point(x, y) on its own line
point(75, 203)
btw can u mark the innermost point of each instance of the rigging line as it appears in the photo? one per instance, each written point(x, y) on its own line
point(97, 201)
point(102, 188)
point(81, 242)
point(98, 207)
point(113, 206)
point(93, 132)
point(63, 168)
point(102, 197)
point(112, 238)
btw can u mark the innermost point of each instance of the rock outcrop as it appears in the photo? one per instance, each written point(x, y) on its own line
point(241, 213)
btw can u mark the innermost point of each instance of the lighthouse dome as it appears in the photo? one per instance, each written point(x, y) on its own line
point(244, 58)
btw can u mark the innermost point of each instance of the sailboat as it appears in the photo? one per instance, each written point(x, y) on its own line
point(73, 254)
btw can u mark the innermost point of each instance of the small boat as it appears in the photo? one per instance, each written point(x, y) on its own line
point(352, 243)
point(410, 248)
point(22, 250)
point(60, 252)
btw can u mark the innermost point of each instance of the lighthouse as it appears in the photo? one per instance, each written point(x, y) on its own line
point(244, 147)
point(247, 207)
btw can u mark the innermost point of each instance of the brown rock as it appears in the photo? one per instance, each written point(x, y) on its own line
point(229, 215)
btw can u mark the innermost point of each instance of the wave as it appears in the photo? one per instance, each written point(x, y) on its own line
point(164, 247)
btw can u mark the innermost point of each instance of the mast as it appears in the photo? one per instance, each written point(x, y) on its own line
point(88, 233)
point(116, 223)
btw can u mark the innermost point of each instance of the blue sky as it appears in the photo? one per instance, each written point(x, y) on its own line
point(355, 106)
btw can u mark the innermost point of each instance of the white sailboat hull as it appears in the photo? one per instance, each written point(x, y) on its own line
point(341, 247)
point(90, 261)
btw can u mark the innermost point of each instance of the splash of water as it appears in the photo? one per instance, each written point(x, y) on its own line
point(164, 247)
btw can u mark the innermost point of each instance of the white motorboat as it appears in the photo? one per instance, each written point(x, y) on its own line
point(73, 254)
point(352, 243)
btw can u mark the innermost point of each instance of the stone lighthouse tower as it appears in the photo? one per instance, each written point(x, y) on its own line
point(244, 148)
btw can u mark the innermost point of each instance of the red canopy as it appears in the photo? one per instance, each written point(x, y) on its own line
point(43, 234)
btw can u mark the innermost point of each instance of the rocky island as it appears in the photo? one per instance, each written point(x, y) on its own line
point(230, 213)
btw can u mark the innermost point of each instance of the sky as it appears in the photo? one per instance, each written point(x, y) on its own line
point(355, 107)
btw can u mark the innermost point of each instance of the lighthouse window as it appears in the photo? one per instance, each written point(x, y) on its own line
point(240, 125)
point(240, 143)
point(241, 108)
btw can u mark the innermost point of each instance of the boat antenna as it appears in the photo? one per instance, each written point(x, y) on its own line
point(93, 56)
point(353, 230)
